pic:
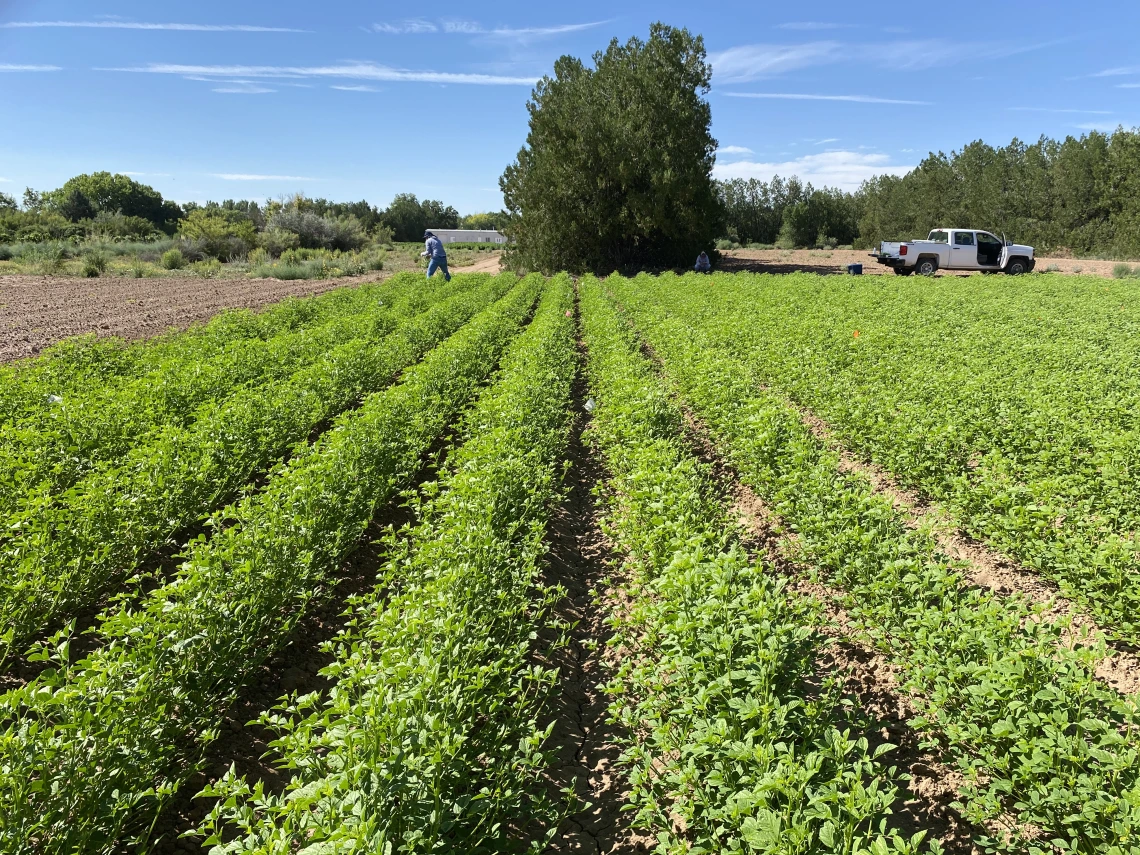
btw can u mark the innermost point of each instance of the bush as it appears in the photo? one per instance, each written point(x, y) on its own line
point(258, 256)
point(1122, 271)
point(140, 269)
point(207, 269)
point(5, 253)
point(217, 234)
point(173, 259)
point(316, 232)
point(277, 241)
point(94, 264)
point(726, 243)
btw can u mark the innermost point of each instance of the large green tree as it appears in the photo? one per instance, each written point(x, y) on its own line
point(617, 167)
point(85, 195)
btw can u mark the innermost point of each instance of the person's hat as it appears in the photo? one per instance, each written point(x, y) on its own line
point(428, 234)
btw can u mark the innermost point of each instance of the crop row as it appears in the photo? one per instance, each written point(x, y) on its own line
point(428, 740)
point(84, 362)
point(51, 449)
point(725, 738)
point(90, 751)
point(1014, 406)
point(62, 554)
point(1048, 753)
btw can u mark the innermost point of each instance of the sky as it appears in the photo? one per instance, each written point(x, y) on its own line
point(353, 100)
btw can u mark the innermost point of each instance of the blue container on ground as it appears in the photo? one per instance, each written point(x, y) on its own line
point(855, 269)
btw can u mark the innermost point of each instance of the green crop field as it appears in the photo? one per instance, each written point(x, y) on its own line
point(299, 581)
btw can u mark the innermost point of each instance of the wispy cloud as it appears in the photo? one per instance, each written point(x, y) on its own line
point(826, 141)
point(1107, 127)
point(409, 25)
point(5, 180)
point(1061, 110)
point(245, 176)
point(733, 149)
point(361, 88)
point(802, 96)
point(475, 28)
point(1128, 85)
point(843, 169)
point(1119, 71)
point(815, 25)
point(5, 66)
point(349, 70)
point(242, 87)
point(752, 62)
point(146, 174)
point(117, 24)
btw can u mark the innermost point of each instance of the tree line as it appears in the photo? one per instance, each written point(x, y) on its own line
point(1080, 194)
point(115, 206)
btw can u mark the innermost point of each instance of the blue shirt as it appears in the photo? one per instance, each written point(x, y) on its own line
point(434, 247)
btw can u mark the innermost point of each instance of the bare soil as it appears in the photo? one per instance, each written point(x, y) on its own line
point(586, 744)
point(37, 311)
point(836, 261)
point(490, 264)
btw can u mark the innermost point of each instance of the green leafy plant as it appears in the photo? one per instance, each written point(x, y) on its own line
point(173, 259)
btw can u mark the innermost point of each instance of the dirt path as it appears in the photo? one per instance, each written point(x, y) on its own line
point(836, 261)
point(491, 264)
point(36, 311)
point(586, 744)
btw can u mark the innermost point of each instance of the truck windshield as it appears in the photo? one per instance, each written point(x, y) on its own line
point(939, 237)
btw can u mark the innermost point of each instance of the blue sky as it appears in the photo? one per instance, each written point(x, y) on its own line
point(351, 100)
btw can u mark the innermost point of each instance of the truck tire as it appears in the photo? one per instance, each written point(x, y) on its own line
point(926, 266)
point(1017, 266)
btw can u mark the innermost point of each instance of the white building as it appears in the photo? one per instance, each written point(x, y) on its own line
point(468, 235)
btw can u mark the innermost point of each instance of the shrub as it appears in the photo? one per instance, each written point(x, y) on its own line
point(94, 264)
point(49, 258)
point(218, 235)
point(316, 232)
point(5, 253)
point(207, 269)
point(1121, 271)
point(139, 268)
point(725, 243)
point(257, 256)
point(277, 241)
point(173, 259)
point(1052, 268)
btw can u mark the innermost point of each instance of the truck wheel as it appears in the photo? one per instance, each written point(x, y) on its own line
point(926, 266)
point(1017, 266)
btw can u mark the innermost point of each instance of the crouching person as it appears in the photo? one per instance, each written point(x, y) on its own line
point(703, 264)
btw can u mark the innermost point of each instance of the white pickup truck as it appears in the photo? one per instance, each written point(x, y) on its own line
point(955, 249)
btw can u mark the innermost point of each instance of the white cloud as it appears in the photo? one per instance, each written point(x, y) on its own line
point(800, 96)
point(1107, 127)
point(752, 62)
point(474, 28)
point(1121, 71)
point(138, 25)
point(1061, 110)
point(5, 180)
point(242, 87)
point(733, 149)
point(141, 174)
point(360, 88)
point(243, 176)
point(843, 169)
point(5, 66)
point(826, 141)
point(350, 70)
point(409, 25)
point(1128, 85)
point(814, 25)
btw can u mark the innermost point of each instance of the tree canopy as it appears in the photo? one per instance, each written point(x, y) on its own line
point(617, 166)
point(83, 196)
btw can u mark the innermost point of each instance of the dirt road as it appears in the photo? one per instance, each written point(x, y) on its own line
point(836, 261)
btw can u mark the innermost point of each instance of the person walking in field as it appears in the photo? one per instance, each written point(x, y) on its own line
point(436, 256)
point(703, 264)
